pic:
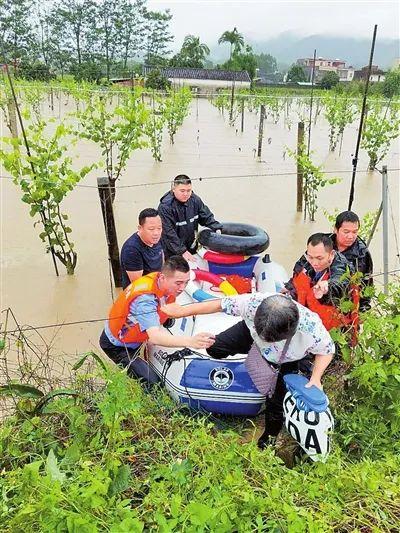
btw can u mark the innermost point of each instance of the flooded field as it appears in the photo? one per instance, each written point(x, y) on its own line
point(205, 147)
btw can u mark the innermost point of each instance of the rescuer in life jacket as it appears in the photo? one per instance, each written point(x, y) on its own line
point(320, 279)
point(136, 317)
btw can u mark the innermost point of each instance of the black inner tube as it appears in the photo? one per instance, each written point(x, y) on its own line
point(235, 239)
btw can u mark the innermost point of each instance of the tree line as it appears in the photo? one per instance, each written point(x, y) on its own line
point(89, 39)
point(92, 39)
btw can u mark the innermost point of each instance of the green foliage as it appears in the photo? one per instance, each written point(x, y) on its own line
point(120, 460)
point(45, 177)
point(313, 180)
point(35, 70)
point(176, 109)
point(339, 112)
point(155, 127)
point(378, 133)
point(296, 73)
point(234, 38)
point(267, 63)
point(192, 54)
point(118, 131)
point(391, 83)
point(242, 59)
point(329, 80)
point(157, 81)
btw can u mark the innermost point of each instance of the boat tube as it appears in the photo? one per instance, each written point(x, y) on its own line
point(235, 239)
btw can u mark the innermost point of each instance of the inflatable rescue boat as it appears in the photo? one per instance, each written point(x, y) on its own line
point(191, 377)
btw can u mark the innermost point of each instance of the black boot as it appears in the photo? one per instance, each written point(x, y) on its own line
point(272, 429)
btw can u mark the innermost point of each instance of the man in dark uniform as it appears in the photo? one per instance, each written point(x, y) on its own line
point(181, 212)
point(346, 240)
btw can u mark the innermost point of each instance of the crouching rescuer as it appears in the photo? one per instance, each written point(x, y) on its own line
point(278, 334)
point(136, 317)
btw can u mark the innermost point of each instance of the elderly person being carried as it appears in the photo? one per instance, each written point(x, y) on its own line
point(283, 331)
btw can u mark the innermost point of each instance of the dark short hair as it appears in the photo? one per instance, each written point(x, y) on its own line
point(346, 216)
point(149, 212)
point(321, 238)
point(276, 318)
point(175, 263)
point(182, 179)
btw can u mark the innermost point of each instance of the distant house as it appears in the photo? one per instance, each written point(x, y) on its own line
point(271, 78)
point(203, 80)
point(322, 66)
point(376, 75)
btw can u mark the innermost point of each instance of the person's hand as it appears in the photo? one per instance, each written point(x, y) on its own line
point(314, 381)
point(189, 257)
point(218, 231)
point(173, 310)
point(320, 289)
point(202, 340)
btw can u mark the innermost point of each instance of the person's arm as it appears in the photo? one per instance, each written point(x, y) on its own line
point(134, 274)
point(175, 310)
point(323, 349)
point(206, 217)
point(321, 362)
point(289, 287)
point(169, 234)
point(161, 337)
point(132, 263)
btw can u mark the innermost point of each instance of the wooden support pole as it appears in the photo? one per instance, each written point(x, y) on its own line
point(12, 116)
point(300, 150)
point(105, 194)
point(242, 121)
point(261, 130)
point(232, 102)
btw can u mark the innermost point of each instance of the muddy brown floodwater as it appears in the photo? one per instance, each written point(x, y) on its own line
point(205, 146)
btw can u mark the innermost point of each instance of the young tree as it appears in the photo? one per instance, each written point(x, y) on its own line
point(117, 131)
point(329, 80)
point(234, 38)
point(45, 176)
point(192, 54)
point(296, 73)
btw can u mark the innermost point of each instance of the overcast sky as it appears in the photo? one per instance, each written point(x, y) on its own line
point(258, 20)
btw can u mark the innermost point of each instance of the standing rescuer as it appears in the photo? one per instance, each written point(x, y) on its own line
point(136, 317)
point(181, 212)
point(346, 241)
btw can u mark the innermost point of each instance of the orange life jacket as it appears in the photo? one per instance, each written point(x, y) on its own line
point(330, 315)
point(117, 318)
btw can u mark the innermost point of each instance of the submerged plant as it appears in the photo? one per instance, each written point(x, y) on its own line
point(45, 176)
point(378, 133)
point(176, 109)
point(313, 180)
point(118, 131)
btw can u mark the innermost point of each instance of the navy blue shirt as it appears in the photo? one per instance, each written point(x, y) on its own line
point(136, 255)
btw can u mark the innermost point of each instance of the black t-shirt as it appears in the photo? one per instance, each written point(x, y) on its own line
point(136, 255)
